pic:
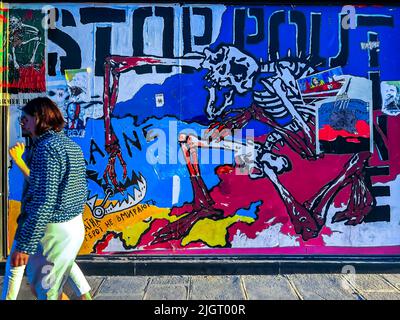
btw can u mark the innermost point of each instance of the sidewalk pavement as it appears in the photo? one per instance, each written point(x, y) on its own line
point(333, 286)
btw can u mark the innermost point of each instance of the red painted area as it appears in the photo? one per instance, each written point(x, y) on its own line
point(327, 133)
point(30, 79)
point(393, 131)
point(304, 180)
point(28, 15)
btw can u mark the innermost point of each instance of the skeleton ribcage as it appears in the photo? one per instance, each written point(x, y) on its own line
point(269, 100)
point(273, 104)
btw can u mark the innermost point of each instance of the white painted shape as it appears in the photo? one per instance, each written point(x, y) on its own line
point(114, 245)
point(268, 238)
point(176, 189)
point(153, 31)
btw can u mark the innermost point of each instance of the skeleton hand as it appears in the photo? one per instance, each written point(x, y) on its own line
point(220, 129)
point(212, 110)
point(114, 151)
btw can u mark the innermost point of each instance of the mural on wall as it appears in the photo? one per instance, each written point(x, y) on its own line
point(230, 129)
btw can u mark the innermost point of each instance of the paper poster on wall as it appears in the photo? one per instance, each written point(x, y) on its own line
point(390, 91)
point(190, 110)
point(78, 84)
point(26, 48)
point(344, 122)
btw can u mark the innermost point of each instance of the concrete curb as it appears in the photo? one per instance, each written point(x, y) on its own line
point(156, 265)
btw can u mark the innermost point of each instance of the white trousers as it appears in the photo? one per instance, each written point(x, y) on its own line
point(52, 265)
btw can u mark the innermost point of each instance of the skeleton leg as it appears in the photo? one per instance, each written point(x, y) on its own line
point(202, 201)
point(34, 51)
point(361, 200)
point(300, 217)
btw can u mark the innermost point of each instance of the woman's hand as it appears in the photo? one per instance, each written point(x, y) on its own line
point(19, 259)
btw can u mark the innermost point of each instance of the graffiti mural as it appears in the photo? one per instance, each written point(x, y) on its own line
point(228, 129)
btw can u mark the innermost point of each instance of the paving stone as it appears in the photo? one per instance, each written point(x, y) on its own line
point(382, 295)
point(170, 280)
point(116, 297)
point(216, 288)
point(322, 287)
point(94, 283)
point(124, 286)
point(371, 282)
point(394, 279)
point(25, 292)
point(268, 287)
point(166, 292)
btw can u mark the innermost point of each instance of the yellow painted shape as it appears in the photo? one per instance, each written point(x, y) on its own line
point(130, 223)
point(213, 232)
point(14, 208)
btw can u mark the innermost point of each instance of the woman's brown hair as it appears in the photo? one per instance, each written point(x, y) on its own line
point(47, 113)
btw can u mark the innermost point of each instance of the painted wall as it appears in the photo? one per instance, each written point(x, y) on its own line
point(221, 129)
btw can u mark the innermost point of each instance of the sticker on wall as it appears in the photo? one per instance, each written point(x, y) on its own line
point(390, 91)
point(78, 81)
point(320, 85)
point(57, 90)
point(72, 95)
point(26, 47)
point(344, 122)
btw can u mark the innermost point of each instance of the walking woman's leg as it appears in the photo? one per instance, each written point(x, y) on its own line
point(12, 279)
point(52, 263)
point(78, 283)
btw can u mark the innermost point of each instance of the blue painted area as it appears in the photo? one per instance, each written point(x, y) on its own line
point(170, 161)
point(251, 211)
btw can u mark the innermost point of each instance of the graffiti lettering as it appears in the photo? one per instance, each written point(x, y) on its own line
point(94, 148)
point(135, 142)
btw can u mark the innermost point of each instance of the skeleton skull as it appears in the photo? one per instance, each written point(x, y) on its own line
point(229, 67)
point(15, 23)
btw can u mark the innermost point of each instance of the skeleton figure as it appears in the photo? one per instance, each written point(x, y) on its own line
point(280, 98)
point(232, 69)
point(20, 35)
